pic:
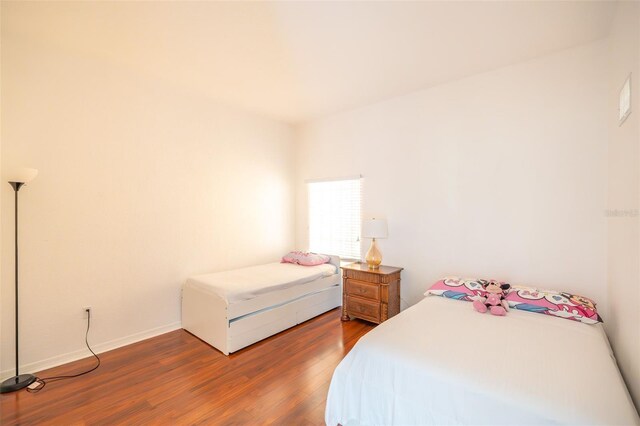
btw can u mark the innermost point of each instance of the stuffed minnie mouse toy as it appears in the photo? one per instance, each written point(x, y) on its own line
point(493, 299)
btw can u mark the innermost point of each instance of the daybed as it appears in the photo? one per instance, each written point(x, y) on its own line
point(233, 309)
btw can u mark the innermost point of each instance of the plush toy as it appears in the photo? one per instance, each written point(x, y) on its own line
point(494, 298)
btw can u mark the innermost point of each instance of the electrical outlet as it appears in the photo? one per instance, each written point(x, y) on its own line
point(85, 312)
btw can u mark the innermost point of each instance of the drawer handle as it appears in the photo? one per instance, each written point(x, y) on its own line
point(362, 290)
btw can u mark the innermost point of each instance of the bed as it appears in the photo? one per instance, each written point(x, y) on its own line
point(440, 362)
point(233, 309)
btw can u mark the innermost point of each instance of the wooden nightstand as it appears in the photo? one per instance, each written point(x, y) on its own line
point(370, 294)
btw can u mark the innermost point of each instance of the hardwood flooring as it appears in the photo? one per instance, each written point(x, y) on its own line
point(176, 378)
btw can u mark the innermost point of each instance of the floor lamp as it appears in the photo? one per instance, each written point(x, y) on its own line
point(18, 381)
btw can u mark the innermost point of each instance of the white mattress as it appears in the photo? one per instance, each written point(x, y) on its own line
point(440, 362)
point(247, 283)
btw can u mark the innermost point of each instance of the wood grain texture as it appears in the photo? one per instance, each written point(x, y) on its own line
point(176, 378)
point(371, 295)
point(363, 267)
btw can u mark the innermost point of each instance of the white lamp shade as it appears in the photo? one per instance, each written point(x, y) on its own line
point(375, 228)
point(22, 175)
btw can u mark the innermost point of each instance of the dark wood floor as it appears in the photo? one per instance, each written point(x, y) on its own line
point(177, 379)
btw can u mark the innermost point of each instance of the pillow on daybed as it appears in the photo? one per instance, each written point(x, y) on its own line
point(305, 259)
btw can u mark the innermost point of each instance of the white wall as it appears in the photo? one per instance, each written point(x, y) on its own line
point(500, 175)
point(1, 176)
point(140, 185)
point(623, 325)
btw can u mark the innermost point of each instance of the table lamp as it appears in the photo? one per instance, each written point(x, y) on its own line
point(374, 228)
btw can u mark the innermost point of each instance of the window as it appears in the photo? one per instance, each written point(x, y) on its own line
point(334, 217)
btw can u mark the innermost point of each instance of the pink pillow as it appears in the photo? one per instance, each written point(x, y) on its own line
point(550, 302)
point(457, 288)
point(305, 259)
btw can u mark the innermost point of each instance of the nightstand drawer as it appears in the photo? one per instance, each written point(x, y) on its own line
point(363, 289)
point(364, 308)
point(370, 294)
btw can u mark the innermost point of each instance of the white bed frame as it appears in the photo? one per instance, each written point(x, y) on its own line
point(231, 327)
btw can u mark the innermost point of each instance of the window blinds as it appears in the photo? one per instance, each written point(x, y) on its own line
point(335, 217)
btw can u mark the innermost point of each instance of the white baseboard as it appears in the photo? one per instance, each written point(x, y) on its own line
point(83, 353)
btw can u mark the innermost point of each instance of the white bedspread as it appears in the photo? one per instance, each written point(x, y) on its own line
point(440, 362)
point(246, 283)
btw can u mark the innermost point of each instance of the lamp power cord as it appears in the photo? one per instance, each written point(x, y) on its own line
point(42, 382)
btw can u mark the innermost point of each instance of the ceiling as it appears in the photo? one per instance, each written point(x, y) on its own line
point(295, 61)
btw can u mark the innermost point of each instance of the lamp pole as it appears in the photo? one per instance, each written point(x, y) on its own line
point(16, 187)
point(18, 381)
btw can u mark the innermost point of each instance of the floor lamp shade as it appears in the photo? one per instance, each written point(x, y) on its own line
point(374, 228)
point(22, 175)
point(19, 381)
